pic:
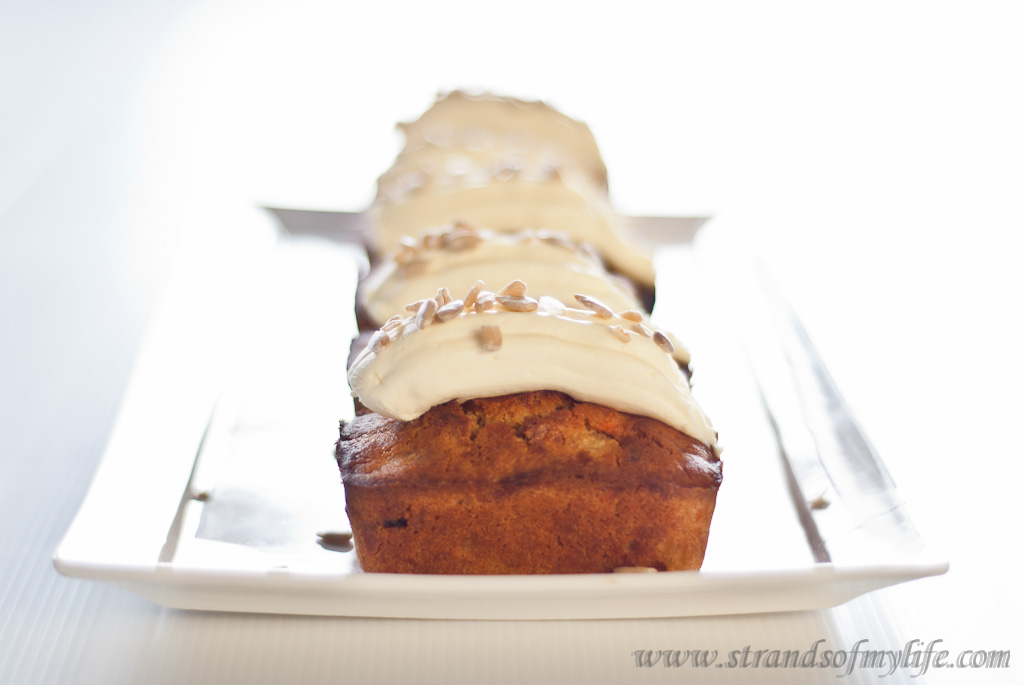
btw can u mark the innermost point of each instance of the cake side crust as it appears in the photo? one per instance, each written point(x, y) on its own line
point(528, 483)
point(556, 527)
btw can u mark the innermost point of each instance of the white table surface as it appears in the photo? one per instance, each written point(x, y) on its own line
point(871, 153)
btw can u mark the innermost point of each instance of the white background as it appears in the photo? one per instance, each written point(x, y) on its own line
point(872, 152)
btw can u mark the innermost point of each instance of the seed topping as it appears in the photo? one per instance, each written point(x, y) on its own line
point(511, 297)
point(559, 240)
point(620, 333)
point(514, 289)
point(405, 254)
point(643, 330)
point(663, 342)
point(507, 172)
point(595, 306)
point(517, 304)
point(632, 315)
point(449, 311)
point(431, 240)
point(426, 312)
point(484, 301)
point(474, 292)
point(461, 238)
point(490, 338)
point(379, 341)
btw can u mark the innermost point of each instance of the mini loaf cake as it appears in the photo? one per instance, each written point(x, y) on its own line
point(460, 255)
point(502, 434)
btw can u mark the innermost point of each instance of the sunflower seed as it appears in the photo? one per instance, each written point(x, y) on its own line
point(484, 302)
point(507, 172)
point(513, 289)
point(379, 341)
point(405, 254)
point(621, 333)
point(449, 311)
point(426, 313)
point(461, 239)
point(643, 330)
point(560, 241)
point(393, 323)
point(490, 338)
point(517, 304)
point(595, 306)
point(632, 315)
point(663, 342)
point(474, 292)
point(414, 306)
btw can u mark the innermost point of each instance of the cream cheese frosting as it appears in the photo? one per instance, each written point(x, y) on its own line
point(508, 164)
point(495, 124)
point(456, 258)
point(511, 343)
point(507, 202)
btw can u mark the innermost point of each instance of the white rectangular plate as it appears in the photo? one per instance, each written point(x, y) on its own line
point(220, 473)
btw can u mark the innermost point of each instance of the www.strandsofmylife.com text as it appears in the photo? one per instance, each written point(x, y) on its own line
point(915, 655)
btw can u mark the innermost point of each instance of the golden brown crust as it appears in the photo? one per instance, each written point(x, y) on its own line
point(527, 483)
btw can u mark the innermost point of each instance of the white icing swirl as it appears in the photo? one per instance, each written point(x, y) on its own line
point(548, 262)
point(576, 351)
